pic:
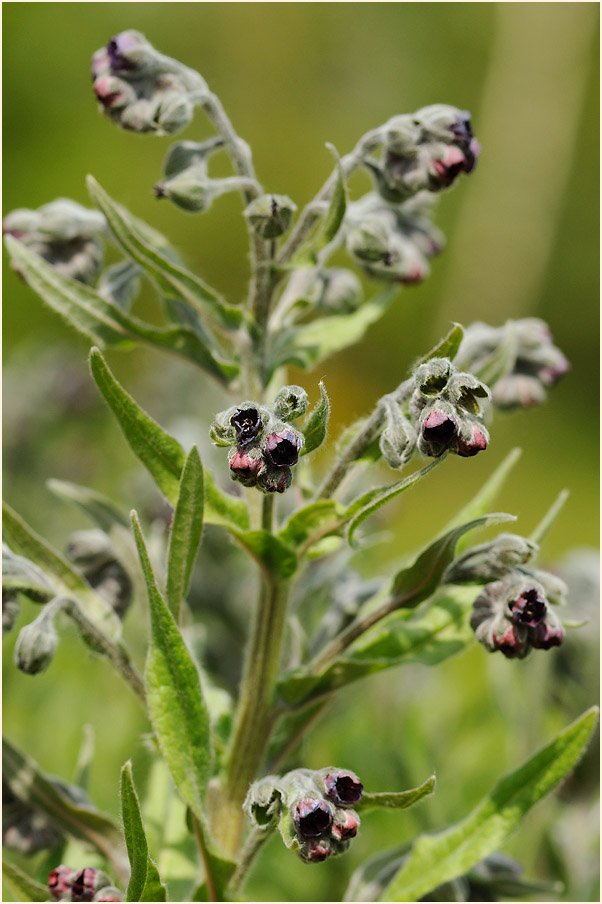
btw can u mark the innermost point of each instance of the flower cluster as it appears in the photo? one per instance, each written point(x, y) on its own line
point(312, 809)
point(445, 409)
point(513, 612)
point(64, 233)
point(426, 151)
point(89, 884)
point(264, 445)
point(141, 89)
point(520, 359)
point(391, 242)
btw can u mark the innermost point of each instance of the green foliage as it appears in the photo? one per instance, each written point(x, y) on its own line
point(395, 800)
point(145, 883)
point(186, 531)
point(314, 429)
point(26, 887)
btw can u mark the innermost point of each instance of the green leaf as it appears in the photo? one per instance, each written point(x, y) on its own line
point(395, 800)
point(442, 631)
point(436, 859)
point(186, 531)
point(374, 499)
point(120, 283)
point(275, 557)
point(27, 889)
point(23, 576)
point(67, 581)
point(66, 804)
point(485, 497)
point(418, 581)
point(336, 209)
point(176, 706)
point(548, 519)
point(221, 872)
point(306, 346)
point(315, 518)
point(316, 425)
point(375, 873)
point(171, 278)
point(104, 323)
point(103, 511)
point(223, 508)
point(159, 452)
point(446, 348)
point(145, 883)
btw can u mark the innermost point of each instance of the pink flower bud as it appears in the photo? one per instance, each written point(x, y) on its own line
point(477, 443)
point(60, 880)
point(345, 825)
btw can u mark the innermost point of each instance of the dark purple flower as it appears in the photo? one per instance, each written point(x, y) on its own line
point(316, 850)
point(59, 881)
point(529, 609)
point(438, 432)
point(343, 788)
point(282, 449)
point(118, 49)
point(511, 643)
point(85, 884)
point(312, 817)
point(247, 422)
point(543, 636)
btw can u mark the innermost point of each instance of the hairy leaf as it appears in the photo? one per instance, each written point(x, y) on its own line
point(436, 859)
point(22, 575)
point(540, 532)
point(223, 508)
point(145, 883)
point(67, 581)
point(446, 348)
point(174, 280)
point(314, 430)
point(176, 705)
point(27, 888)
point(310, 520)
point(274, 556)
point(395, 800)
point(98, 507)
point(186, 531)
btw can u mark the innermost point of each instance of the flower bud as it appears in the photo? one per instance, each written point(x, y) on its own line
point(87, 882)
point(404, 263)
point(369, 242)
point(345, 825)
point(316, 850)
point(282, 449)
point(60, 881)
point(312, 817)
point(275, 479)
point(113, 93)
point(438, 430)
point(290, 403)
point(10, 610)
point(190, 189)
point(270, 215)
point(93, 553)
point(130, 53)
point(398, 439)
point(337, 291)
point(110, 893)
point(245, 466)
point(343, 788)
point(491, 561)
point(37, 642)
point(472, 439)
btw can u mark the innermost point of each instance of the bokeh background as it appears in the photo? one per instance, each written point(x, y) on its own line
point(522, 241)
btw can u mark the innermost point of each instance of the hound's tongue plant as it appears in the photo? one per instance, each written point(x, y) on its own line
point(229, 758)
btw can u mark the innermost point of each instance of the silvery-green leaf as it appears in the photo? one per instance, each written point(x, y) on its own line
point(172, 279)
point(102, 510)
point(314, 429)
point(446, 348)
point(22, 575)
point(185, 533)
point(67, 581)
point(176, 705)
point(540, 532)
point(395, 800)
point(120, 283)
point(441, 857)
point(26, 887)
point(145, 883)
point(223, 508)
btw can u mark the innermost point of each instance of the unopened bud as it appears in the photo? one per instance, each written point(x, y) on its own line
point(245, 466)
point(174, 112)
point(369, 241)
point(438, 430)
point(131, 54)
point(398, 439)
point(87, 882)
point(344, 825)
point(316, 850)
point(113, 93)
point(337, 291)
point(472, 439)
point(37, 642)
point(10, 610)
point(110, 893)
point(190, 189)
point(60, 880)
point(270, 215)
point(275, 479)
point(290, 403)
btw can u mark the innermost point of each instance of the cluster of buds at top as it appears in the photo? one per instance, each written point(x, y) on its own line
point(265, 446)
point(519, 359)
point(270, 216)
point(141, 89)
point(64, 233)
point(425, 151)
point(312, 810)
point(445, 409)
point(94, 555)
point(393, 243)
point(88, 884)
point(513, 613)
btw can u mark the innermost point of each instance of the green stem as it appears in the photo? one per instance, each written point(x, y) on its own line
point(199, 834)
point(252, 846)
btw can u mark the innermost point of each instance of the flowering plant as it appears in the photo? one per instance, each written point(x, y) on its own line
point(231, 756)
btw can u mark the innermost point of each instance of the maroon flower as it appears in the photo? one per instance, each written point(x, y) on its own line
point(316, 850)
point(245, 468)
point(510, 643)
point(85, 884)
point(345, 825)
point(282, 449)
point(477, 443)
point(543, 636)
point(247, 422)
point(59, 881)
point(275, 480)
point(312, 817)
point(438, 432)
point(529, 609)
point(343, 788)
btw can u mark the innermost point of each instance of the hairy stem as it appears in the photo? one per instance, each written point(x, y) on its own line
point(252, 846)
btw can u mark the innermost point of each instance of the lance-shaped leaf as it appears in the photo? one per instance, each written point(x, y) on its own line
point(120, 283)
point(430, 638)
point(306, 346)
point(99, 508)
point(436, 859)
point(540, 532)
point(395, 800)
point(223, 508)
point(104, 323)
point(26, 887)
point(314, 520)
point(22, 575)
point(371, 501)
point(186, 531)
point(307, 255)
point(66, 804)
point(172, 279)
point(314, 430)
point(176, 705)
point(419, 580)
point(446, 348)
point(145, 883)
point(274, 557)
point(57, 569)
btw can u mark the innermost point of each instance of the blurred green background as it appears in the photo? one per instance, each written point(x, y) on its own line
point(522, 241)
